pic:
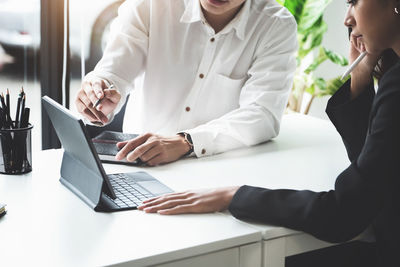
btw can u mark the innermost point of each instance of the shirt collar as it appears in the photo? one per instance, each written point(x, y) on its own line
point(193, 13)
point(241, 19)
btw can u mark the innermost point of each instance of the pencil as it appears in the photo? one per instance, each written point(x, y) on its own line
point(25, 118)
point(3, 104)
point(1, 118)
point(22, 110)
point(17, 112)
point(354, 64)
point(8, 106)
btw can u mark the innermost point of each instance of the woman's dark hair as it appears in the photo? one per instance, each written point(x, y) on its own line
point(388, 59)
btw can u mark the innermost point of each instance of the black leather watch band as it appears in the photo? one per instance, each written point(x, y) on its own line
point(188, 140)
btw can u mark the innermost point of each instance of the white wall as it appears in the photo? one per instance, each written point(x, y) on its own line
point(335, 39)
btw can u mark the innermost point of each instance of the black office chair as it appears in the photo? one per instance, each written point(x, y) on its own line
point(115, 125)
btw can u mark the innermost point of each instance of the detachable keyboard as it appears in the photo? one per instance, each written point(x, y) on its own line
point(128, 192)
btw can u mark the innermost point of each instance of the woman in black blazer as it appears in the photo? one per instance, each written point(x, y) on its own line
point(368, 191)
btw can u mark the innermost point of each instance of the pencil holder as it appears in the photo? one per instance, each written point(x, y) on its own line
point(16, 150)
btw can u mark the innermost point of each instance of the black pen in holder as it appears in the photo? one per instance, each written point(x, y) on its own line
point(16, 150)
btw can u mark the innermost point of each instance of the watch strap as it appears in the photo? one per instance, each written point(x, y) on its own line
point(188, 140)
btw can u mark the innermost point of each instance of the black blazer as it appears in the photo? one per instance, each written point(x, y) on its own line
point(367, 192)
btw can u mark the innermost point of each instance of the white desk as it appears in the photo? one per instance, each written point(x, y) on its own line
point(307, 154)
point(47, 225)
point(312, 161)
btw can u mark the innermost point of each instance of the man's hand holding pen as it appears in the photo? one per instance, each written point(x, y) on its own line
point(96, 100)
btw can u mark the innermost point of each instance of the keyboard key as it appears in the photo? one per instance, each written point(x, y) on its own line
point(140, 189)
point(128, 192)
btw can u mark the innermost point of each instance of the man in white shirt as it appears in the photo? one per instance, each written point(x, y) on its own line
point(216, 76)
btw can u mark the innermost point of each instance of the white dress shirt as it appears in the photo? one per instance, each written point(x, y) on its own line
point(227, 89)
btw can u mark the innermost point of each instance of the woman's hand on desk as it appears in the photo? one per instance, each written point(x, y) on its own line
point(202, 201)
point(153, 149)
point(91, 91)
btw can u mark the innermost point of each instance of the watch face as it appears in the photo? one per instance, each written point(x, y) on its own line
point(188, 140)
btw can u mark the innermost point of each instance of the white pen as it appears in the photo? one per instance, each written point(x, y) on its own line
point(99, 100)
point(355, 63)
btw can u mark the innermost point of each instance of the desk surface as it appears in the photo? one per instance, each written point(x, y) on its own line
point(48, 224)
point(307, 154)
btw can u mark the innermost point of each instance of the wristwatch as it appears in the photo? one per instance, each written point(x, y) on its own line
point(188, 140)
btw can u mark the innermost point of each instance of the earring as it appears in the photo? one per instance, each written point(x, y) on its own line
point(396, 10)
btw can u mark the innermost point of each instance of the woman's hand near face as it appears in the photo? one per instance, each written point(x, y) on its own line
point(361, 76)
point(204, 201)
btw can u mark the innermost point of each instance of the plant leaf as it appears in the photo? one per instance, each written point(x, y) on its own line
point(281, 2)
point(311, 89)
point(318, 61)
point(312, 38)
point(321, 84)
point(331, 87)
point(336, 58)
point(296, 8)
point(309, 18)
point(312, 11)
point(310, 31)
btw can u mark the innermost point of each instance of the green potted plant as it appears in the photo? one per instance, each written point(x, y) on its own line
point(310, 32)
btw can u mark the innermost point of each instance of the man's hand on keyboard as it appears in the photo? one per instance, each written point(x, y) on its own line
point(153, 149)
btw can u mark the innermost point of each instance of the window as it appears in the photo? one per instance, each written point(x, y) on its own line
point(19, 61)
point(89, 28)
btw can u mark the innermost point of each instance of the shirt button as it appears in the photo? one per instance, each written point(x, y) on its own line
point(187, 109)
point(203, 151)
point(212, 39)
point(201, 75)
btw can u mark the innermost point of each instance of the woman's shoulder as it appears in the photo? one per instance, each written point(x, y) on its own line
point(390, 82)
point(393, 74)
point(386, 104)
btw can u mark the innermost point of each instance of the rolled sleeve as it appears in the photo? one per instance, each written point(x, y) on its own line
point(128, 46)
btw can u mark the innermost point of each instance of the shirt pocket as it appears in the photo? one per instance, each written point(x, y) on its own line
point(226, 93)
point(228, 82)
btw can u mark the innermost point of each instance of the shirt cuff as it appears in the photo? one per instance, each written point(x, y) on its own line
point(203, 144)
